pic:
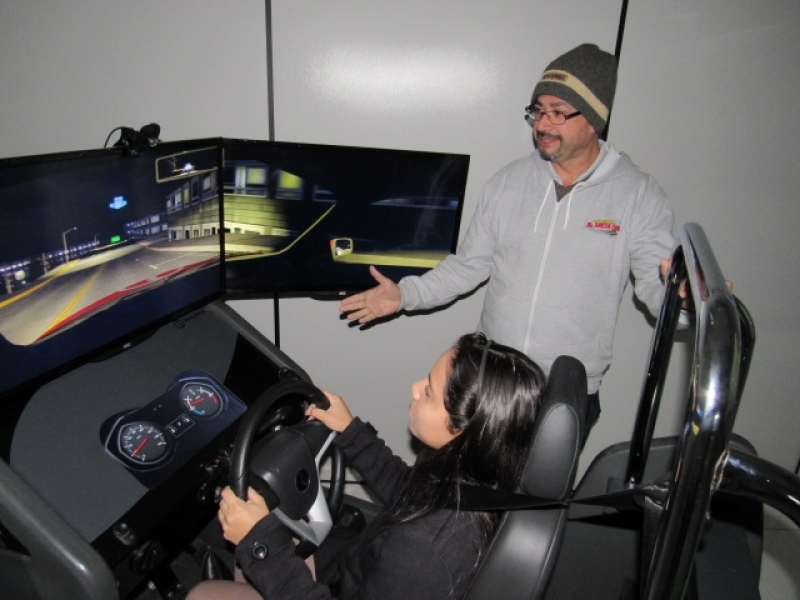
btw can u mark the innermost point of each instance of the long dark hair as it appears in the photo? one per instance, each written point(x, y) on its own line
point(492, 395)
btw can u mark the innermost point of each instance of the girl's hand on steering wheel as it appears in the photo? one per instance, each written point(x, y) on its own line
point(336, 418)
point(238, 516)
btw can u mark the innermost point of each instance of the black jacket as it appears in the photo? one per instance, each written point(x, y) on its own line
point(430, 558)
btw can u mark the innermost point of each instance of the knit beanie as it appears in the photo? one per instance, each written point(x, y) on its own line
point(586, 77)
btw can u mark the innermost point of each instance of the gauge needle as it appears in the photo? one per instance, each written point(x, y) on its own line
point(199, 400)
point(140, 446)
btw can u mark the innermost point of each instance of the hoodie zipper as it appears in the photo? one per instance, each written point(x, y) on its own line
point(546, 252)
point(542, 263)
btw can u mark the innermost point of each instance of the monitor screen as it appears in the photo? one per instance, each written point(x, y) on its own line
point(99, 247)
point(305, 218)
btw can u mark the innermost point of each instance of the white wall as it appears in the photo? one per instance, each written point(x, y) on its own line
point(73, 71)
point(703, 103)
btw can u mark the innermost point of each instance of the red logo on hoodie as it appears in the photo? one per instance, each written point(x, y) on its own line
point(607, 226)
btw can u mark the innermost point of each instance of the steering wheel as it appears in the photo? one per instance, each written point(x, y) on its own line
point(283, 465)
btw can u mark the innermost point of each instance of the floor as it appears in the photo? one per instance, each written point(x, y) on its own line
point(780, 569)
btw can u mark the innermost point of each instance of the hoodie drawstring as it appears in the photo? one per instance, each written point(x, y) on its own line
point(569, 202)
point(541, 206)
point(550, 186)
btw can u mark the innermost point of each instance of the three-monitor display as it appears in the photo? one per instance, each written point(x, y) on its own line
point(99, 247)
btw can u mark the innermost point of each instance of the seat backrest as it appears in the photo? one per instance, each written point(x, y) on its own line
point(520, 559)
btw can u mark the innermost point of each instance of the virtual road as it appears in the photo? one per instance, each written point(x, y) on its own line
point(87, 285)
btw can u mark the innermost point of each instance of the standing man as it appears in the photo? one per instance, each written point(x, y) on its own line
point(557, 233)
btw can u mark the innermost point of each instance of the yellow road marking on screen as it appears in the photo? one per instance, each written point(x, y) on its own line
point(78, 297)
point(411, 259)
point(25, 293)
point(35, 288)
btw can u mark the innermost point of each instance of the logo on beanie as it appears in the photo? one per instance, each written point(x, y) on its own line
point(607, 226)
point(554, 76)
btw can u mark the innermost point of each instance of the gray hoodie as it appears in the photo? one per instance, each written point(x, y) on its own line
point(557, 269)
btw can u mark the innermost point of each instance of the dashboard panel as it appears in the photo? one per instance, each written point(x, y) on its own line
point(129, 450)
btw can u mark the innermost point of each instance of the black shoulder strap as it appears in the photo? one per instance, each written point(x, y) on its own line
point(476, 498)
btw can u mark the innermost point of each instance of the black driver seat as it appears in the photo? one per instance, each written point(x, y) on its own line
point(520, 559)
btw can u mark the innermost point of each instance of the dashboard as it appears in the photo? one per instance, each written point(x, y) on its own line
point(155, 440)
point(130, 450)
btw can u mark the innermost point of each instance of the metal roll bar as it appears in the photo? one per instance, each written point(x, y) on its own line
point(712, 403)
point(704, 463)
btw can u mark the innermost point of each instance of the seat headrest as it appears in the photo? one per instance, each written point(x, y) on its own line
point(556, 442)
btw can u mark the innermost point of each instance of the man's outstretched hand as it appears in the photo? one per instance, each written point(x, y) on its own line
point(381, 301)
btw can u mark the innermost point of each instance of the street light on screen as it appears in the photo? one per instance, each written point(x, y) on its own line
point(64, 241)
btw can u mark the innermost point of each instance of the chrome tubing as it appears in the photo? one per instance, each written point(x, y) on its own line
point(753, 477)
point(712, 403)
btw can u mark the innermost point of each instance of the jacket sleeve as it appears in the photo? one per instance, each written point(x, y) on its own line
point(267, 557)
point(653, 237)
point(382, 471)
point(462, 272)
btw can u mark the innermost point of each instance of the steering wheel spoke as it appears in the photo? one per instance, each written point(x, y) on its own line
point(315, 525)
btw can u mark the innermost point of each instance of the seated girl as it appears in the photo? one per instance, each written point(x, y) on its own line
point(474, 412)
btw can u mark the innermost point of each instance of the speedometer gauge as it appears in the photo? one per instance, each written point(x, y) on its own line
point(142, 442)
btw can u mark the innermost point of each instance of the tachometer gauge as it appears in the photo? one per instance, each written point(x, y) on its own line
point(201, 400)
point(143, 443)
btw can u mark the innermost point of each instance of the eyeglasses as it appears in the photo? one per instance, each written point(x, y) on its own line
point(556, 117)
